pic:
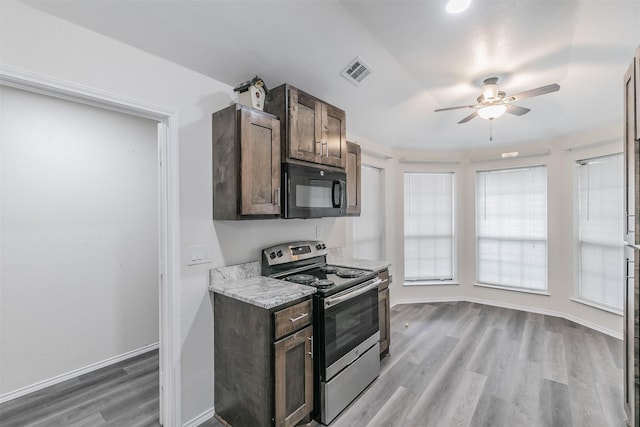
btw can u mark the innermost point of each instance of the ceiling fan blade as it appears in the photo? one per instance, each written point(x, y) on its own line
point(534, 92)
point(456, 108)
point(469, 117)
point(516, 109)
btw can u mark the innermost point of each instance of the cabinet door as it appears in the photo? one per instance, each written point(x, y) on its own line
point(333, 149)
point(631, 156)
point(260, 164)
point(354, 174)
point(384, 316)
point(305, 124)
point(294, 377)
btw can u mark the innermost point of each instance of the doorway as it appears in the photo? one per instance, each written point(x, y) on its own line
point(38, 247)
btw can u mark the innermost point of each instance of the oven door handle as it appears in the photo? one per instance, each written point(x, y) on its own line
point(350, 294)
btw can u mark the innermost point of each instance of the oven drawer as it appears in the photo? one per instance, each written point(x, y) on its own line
point(292, 318)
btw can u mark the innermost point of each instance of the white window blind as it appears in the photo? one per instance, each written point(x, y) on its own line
point(368, 228)
point(428, 226)
point(511, 227)
point(600, 230)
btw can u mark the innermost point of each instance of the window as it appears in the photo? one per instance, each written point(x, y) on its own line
point(428, 226)
point(600, 231)
point(368, 229)
point(511, 228)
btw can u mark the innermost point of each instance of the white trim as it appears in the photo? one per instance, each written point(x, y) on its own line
point(615, 140)
point(75, 373)
point(514, 289)
point(546, 152)
point(528, 309)
point(170, 341)
point(409, 283)
point(205, 416)
point(408, 161)
point(598, 306)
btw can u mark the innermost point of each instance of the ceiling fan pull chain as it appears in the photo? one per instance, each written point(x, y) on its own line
point(490, 130)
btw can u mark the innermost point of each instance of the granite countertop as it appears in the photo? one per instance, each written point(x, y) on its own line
point(364, 264)
point(262, 291)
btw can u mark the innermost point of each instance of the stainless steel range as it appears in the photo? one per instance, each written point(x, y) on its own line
point(345, 322)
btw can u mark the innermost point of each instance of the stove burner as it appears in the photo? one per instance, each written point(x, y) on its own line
point(324, 283)
point(329, 269)
point(302, 279)
point(350, 273)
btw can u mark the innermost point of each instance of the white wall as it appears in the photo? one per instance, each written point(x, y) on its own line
point(38, 42)
point(79, 227)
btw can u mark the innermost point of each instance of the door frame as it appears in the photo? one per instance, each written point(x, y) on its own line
point(169, 215)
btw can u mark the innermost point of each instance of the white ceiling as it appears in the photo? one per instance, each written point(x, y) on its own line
point(422, 58)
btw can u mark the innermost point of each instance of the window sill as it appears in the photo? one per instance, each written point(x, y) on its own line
point(506, 288)
point(598, 306)
point(430, 283)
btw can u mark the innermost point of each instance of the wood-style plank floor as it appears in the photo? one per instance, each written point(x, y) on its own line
point(467, 364)
point(123, 394)
point(451, 364)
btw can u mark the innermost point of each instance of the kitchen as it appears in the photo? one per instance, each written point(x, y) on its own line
point(31, 41)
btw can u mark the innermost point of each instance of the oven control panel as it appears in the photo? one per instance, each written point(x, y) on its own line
point(294, 251)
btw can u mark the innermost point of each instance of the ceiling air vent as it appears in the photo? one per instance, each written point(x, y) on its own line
point(356, 71)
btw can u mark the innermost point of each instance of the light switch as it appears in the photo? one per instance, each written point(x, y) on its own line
point(198, 255)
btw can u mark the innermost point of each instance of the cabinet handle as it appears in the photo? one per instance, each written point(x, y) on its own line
point(277, 196)
point(311, 352)
point(324, 144)
point(302, 316)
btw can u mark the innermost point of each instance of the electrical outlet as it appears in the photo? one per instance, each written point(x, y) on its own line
point(319, 232)
point(198, 255)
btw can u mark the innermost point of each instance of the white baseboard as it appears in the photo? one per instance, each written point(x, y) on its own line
point(75, 373)
point(205, 416)
point(575, 319)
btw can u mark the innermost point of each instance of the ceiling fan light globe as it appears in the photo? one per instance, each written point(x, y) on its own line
point(457, 6)
point(492, 111)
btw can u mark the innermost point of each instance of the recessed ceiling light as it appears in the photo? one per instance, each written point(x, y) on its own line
point(457, 6)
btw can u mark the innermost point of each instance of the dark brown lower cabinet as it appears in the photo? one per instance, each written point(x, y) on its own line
point(293, 375)
point(263, 366)
point(384, 312)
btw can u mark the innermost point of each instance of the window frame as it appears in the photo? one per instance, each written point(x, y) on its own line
point(515, 288)
point(382, 207)
point(578, 297)
point(453, 280)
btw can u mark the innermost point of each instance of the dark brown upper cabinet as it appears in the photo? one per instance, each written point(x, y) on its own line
point(313, 130)
point(354, 173)
point(246, 164)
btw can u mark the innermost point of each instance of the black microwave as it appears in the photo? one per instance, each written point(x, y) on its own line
point(313, 192)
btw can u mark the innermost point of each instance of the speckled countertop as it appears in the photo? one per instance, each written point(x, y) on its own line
point(242, 283)
point(364, 264)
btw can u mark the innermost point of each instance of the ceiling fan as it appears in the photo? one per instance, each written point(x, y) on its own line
point(493, 103)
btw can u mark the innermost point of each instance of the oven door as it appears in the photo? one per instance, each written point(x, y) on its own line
point(348, 326)
point(313, 192)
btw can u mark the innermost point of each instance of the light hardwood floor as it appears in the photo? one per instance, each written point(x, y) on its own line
point(451, 364)
point(466, 364)
point(123, 394)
